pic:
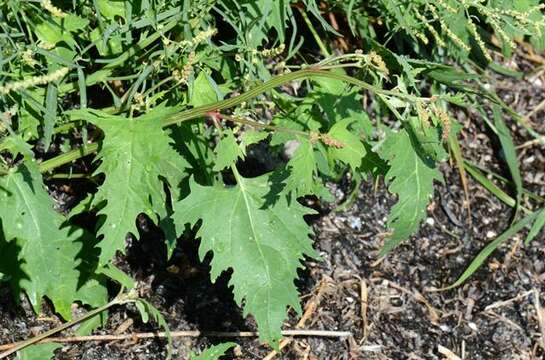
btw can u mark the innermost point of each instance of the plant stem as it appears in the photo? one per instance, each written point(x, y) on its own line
point(189, 333)
point(314, 33)
point(262, 126)
point(68, 157)
point(120, 299)
point(307, 73)
point(201, 111)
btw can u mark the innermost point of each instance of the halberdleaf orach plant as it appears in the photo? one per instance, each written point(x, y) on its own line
point(155, 105)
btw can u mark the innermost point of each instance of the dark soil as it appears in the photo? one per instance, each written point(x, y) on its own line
point(491, 316)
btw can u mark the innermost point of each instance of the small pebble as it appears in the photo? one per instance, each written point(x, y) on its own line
point(529, 160)
point(430, 221)
point(490, 234)
point(396, 301)
point(354, 222)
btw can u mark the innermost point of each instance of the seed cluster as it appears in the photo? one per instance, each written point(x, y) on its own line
point(55, 11)
point(438, 12)
point(33, 81)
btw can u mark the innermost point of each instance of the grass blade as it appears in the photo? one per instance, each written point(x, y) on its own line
point(536, 227)
point(50, 115)
point(82, 89)
point(489, 185)
point(510, 153)
point(459, 160)
point(503, 180)
point(489, 249)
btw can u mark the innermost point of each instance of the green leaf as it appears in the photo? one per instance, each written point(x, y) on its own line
point(135, 154)
point(106, 46)
point(302, 168)
point(116, 274)
point(262, 240)
point(411, 178)
point(352, 150)
point(204, 90)
point(341, 102)
point(427, 139)
point(446, 74)
point(111, 8)
point(147, 310)
point(38, 351)
point(250, 137)
point(73, 23)
point(227, 151)
point(489, 184)
point(213, 352)
point(37, 254)
point(87, 326)
point(50, 31)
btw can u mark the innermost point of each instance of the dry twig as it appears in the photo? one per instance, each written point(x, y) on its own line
point(447, 353)
point(188, 333)
point(540, 317)
point(498, 304)
point(364, 296)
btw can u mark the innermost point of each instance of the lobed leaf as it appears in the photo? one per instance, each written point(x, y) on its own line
point(302, 169)
point(352, 150)
point(135, 154)
point(39, 255)
point(262, 240)
point(411, 178)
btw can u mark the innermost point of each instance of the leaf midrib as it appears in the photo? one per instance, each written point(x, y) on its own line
point(255, 237)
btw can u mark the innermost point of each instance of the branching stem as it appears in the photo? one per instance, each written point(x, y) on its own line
point(201, 111)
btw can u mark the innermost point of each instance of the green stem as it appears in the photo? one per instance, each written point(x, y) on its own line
point(314, 33)
point(70, 176)
point(68, 157)
point(263, 126)
point(308, 73)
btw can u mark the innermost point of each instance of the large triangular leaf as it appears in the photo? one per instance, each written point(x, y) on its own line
point(411, 178)
point(262, 240)
point(35, 253)
point(135, 154)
